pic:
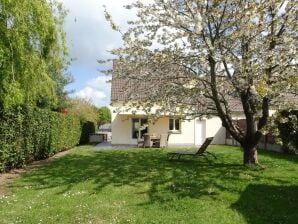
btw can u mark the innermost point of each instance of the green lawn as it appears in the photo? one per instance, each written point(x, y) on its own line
point(143, 186)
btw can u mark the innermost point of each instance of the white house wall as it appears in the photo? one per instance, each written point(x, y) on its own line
point(121, 129)
point(215, 129)
point(160, 126)
point(186, 137)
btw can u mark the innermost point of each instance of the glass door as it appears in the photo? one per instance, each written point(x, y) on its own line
point(139, 127)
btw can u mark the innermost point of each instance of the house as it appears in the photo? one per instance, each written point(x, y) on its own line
point(130, 121)
point(127, 125)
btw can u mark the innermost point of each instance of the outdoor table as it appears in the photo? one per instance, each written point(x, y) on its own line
point(155, 140)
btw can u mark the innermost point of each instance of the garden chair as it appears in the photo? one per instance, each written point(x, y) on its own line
point(163, 141)
point(147, 141)
point(202, 151)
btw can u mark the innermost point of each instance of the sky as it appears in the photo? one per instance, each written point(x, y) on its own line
point(89, 38)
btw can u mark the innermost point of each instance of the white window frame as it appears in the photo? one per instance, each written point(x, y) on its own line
point(174, 126)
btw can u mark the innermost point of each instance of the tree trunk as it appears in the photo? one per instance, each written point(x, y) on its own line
point(250, 156)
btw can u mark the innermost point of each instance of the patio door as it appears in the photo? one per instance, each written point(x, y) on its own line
point(199, 132)
point(139, 127)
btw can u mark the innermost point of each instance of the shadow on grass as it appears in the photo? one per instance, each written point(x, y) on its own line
point(167, 180)
point(190, 177)
point(269, 204)
point(277, 155)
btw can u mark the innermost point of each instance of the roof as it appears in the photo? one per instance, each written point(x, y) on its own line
point(117, 92)
point(235, 105)
point(124, 89)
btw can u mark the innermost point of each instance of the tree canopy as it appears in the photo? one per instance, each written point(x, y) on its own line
point(83, 109)
point(200, 57)
point(33, 53)
point(104, 115)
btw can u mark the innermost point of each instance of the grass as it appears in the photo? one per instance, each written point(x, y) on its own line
point(143, 186)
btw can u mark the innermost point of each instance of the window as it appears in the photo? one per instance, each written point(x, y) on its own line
point(139, 127)
point(174, 125)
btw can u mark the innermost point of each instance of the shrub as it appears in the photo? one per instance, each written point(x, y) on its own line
point(28, 134)
point(88, 128)
point(287, 125)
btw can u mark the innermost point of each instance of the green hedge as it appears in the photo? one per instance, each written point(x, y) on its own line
point(88, 128)
point(28, 134)
point(288, 130)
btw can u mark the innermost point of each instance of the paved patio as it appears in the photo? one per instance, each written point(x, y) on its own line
point(109, 146)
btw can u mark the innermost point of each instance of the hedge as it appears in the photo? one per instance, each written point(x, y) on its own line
point(28, 134)
point(288, 130)
point(88, 128)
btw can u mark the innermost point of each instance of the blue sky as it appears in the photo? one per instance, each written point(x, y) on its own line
point(89, 38)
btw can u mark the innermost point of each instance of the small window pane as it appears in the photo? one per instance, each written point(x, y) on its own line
point(177, 124)
point(171, 126)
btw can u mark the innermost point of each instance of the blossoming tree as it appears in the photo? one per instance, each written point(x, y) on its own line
point(199, 57)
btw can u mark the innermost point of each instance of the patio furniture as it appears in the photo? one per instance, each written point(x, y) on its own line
point(147, 141)
point(202, 151)
point(163, 141)
point(155, 138)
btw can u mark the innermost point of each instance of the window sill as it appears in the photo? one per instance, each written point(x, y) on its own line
point(175, 132)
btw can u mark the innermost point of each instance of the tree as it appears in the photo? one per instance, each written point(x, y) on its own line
point(104, 115)
point(83, 109)
point(200, 57)
point(88, 115)
point(33, 53)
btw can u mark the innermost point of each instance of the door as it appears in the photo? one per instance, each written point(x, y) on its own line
point(199, 132)
point(139, 127)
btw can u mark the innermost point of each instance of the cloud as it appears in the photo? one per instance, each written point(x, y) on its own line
point(89, 38)
point(97, 91)
point(89, 34)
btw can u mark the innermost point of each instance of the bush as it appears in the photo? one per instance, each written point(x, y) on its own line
point(28, 134)
point(288, 130)
point(88, 128)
